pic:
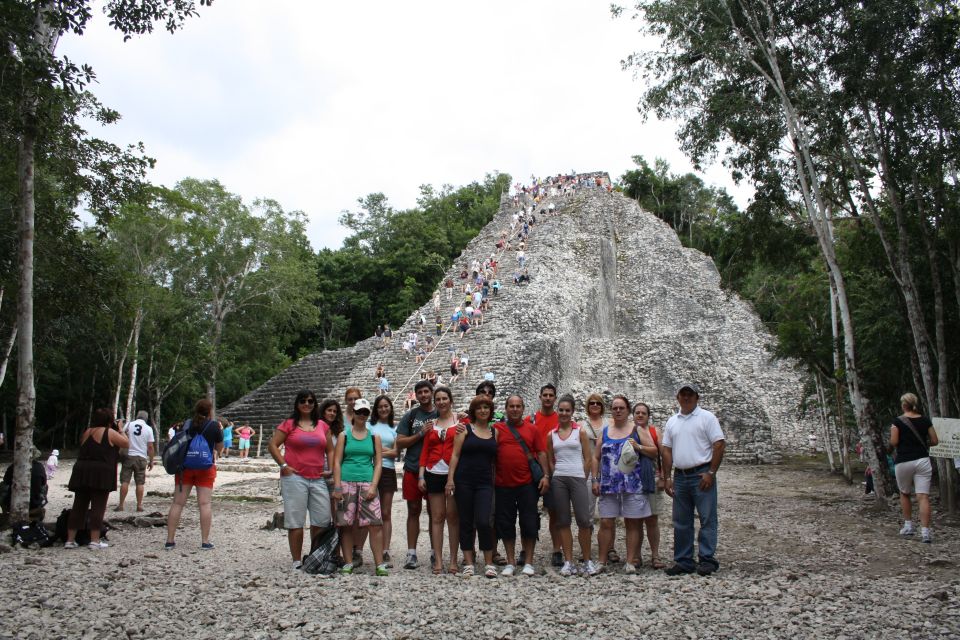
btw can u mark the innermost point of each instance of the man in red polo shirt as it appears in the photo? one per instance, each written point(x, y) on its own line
point(547, 420)
point(515, 493)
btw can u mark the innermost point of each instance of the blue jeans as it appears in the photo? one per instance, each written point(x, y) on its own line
point(687, 497)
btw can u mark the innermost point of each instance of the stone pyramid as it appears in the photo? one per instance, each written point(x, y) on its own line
point(616, 305)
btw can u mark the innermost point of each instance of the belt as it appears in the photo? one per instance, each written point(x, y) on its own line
point(698, 469)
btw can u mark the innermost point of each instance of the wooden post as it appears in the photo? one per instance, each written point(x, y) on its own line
point(259, 439)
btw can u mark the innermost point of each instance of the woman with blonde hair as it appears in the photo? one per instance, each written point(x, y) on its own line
point(911, 436)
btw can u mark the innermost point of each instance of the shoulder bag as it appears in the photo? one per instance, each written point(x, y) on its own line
point(536, 471)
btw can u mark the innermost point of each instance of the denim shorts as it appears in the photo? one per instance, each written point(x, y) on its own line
point(624, 505)
point(302, 496)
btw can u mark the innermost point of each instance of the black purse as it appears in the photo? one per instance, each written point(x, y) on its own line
point(535, 469)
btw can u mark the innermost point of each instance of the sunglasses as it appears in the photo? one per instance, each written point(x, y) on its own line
point(363, 412)
point(307, 401)
point(594, 403)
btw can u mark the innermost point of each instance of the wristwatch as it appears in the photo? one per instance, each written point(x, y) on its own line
point(284, 465)
point(712, 473)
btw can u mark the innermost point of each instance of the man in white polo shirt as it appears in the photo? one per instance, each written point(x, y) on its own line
point(693, 447)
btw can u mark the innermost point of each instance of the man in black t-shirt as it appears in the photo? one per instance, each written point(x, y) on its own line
point(410, 433)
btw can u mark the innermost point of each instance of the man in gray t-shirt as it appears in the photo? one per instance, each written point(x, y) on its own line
point(410, 432)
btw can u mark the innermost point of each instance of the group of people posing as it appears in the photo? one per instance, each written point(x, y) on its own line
point(483, 474)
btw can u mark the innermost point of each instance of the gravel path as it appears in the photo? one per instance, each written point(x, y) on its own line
point(802, 555)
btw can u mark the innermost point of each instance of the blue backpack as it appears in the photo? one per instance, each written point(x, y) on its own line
point(199, 455)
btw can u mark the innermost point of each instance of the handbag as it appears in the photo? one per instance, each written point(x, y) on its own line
point(536, 471)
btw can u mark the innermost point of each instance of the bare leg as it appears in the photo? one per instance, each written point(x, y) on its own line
point(346, 543)
point(176, 510)
point(414, 508)
point(586, 537)
point(386, 510)
point(906, 506)
point(205, 498)
point(510, 547)
point(376, 541)
point(295, 540)
point(140, 491)
point(124, 488)
point(555, 530)
point(529, 545)
point(923, 505)
point(607, 532)
point(566, 542)
point(438, 515)
point(453, 531)
point(639, 552)
point(633, 526)
point(653, 535)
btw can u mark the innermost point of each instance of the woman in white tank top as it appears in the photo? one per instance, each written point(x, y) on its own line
point(568, 450)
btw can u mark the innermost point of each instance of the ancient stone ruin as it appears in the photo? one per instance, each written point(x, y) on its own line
point(615, 304)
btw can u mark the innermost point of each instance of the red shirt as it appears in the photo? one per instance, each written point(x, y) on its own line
point(434, 449)
point(512, 467)
point(545, 424)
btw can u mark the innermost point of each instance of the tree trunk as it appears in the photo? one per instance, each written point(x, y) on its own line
point(6, 355)
point(119, 384)
point(135, 358)
point(824, 422)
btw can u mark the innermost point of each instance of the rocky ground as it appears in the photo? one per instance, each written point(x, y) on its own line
point(802, 554)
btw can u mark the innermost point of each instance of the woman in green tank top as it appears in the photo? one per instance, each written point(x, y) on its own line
point(356, 472)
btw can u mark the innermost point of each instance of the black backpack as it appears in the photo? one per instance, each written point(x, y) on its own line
point(83, 535)
point(322, 559)
point(38, 487)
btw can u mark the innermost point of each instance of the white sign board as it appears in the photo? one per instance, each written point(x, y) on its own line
point(948, 433)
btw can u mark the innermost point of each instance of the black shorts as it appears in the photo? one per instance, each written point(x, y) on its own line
point(511, 502)
point(436, 482)
point(388, 481)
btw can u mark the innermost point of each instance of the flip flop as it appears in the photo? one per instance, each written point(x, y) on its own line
point(656, 564)
point(437, 571)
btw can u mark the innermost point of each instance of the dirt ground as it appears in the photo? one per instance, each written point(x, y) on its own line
point(802, 554)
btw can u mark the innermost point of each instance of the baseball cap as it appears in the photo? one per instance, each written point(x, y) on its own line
point(361, 404)
point(688, 385)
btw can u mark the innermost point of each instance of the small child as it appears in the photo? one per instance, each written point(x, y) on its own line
point(53, 462)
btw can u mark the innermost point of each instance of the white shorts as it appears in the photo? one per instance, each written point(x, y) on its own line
point(624, 505)
point(914, 476)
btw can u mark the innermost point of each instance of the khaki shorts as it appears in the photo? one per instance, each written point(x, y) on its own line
point(656, 502)
point(136, 467)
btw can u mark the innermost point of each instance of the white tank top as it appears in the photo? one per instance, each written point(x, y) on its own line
point(569, 454)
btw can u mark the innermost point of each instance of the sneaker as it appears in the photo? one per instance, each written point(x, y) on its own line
point(102, 544)
point(528, 570)
point(706, 568)
point(677, 570)
point(629, 568)
point(411, 561)
point(557, 559)
point(907, 530)
point(70, 545)
point(347, 569)
point(296, 565)
point(508, 571)
point(568, 569)
point(592, 568)
point(207, 546)
point(382, 569)
point(926, 536)
point(169, 546)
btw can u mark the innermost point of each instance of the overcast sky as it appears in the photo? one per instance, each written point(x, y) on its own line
point(316, 104)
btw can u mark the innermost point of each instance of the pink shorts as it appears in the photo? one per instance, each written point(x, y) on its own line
point(354, 509)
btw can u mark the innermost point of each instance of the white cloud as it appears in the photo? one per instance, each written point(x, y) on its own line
point(315, 104)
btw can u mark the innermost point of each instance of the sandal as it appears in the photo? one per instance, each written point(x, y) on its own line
point(467, 571)
point(453, 569)
point(490, 571)
point(499, 560)
point(612, 556)
point(437, 570)
point(656, 564)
